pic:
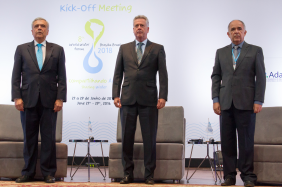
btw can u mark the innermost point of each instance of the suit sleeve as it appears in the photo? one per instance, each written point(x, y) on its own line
point(216, 77)
point(16, 75)
point(260, 76)
point(118, 75)
point(163, 76)
point(62, 80)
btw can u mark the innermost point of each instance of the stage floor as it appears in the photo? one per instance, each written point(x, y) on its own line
point(203, 177)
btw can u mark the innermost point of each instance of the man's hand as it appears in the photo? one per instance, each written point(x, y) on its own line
point(19, 104)
point(161, 103)
point(216, 108)
point(257, 108)
point(117, 102)
point(58, 105)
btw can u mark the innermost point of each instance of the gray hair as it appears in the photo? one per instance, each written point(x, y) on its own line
point(39, 18)
point(142, 17)
point(236, 20)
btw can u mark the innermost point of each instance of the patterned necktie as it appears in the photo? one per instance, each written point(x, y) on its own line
point(139, 52)
point(235, 52)
point(39, 56)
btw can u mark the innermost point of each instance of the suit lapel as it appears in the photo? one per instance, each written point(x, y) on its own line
point(31, 50)
point(49, 49)
point(133, 51)
point(229, 57)
point(243, 53)
point(146, 52)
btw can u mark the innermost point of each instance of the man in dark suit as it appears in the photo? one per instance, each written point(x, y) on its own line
point(238, 87)
point(39, 89)
point(138, 63)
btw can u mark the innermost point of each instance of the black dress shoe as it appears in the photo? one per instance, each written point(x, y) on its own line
point(24, 178)
point(150, 181)
point(49, 179)
point(249, 184)
point(126, 180)
point(228, 182)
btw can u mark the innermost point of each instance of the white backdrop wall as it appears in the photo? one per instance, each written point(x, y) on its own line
point(190, 31)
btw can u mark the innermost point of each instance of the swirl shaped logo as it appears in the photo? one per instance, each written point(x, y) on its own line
point(89, 31)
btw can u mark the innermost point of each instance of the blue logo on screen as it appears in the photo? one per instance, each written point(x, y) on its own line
point(89, 31)
point(90, 69)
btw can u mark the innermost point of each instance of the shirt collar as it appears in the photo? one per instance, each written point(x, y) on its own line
point(43, 43)
point(144, 42)
point(240, 45)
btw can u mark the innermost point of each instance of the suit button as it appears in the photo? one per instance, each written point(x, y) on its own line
point(137, 69)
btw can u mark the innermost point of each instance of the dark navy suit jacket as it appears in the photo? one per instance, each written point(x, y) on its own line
point(28, 81)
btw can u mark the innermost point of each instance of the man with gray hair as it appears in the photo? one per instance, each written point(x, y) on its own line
point(138, 63)
point(238, 87)
point(39, 89)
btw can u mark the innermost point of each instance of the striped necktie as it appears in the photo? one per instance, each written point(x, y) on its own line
point(39, 56)
point(139, 52)
point(235, 52)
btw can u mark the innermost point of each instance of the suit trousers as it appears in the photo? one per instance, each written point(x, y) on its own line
point(148, 116)
point(242, 121)
point(32, 119)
